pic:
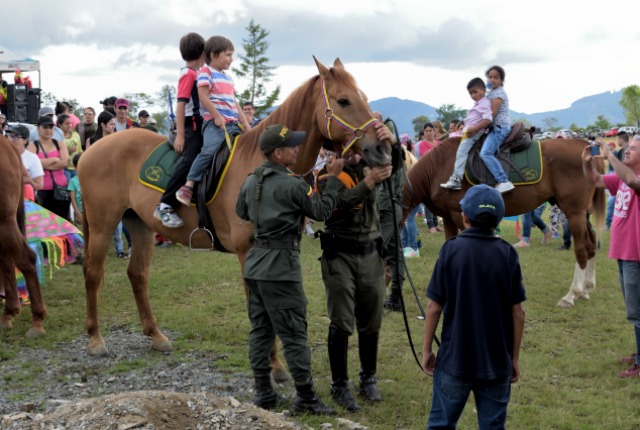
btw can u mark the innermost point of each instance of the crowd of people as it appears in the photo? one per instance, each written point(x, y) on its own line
point(358, 214)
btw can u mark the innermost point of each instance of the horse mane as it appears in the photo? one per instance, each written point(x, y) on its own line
point(289, 112)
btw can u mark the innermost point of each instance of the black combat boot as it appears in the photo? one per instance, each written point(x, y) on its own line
point(266, 397)
point(368, 348)
point(307, 401)
point(338, 345)
point(394, 302)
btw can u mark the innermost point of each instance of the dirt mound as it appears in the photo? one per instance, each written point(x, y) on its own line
point(147, 410)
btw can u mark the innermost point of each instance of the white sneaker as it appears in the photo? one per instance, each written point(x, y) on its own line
point(309, 230)
point(453, 183)
point(410, 252)
point(504, 187)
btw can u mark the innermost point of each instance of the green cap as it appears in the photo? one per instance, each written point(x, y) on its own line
point(277, 136)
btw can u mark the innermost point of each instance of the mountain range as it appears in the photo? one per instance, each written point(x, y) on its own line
point(582, 112)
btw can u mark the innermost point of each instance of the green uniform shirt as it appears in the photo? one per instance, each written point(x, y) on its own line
point(285, 201)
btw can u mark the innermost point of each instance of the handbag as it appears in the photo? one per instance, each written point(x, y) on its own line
point(60, 194)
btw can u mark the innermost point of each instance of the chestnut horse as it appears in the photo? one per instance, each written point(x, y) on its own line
point(562, 181)
point(325, 107)
point(14, 251)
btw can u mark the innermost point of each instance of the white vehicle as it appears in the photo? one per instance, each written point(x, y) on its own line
point(629, 129)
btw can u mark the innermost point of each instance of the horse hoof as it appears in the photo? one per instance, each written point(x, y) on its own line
point(35, 332)
point(162, 346)
point(584, 297)
point(280, 375)
point(99, 350)
point(564, 304)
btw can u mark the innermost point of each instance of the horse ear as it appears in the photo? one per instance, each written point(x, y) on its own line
point(338, 63)
point(322, 69)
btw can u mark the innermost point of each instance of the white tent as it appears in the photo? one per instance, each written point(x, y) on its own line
point(10, 62)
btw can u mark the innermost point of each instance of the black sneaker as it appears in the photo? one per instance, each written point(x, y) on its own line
point(122, 255)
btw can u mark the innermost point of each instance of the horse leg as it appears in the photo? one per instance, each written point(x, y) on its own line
point(11, 300)
point(97, 246)
point(584, 276)
point(25, 260)
point(450, 227)
point(142, 238)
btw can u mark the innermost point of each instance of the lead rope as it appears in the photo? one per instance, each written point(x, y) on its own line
point(398, 256)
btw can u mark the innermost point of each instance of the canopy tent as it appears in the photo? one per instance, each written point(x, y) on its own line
point(11, 62)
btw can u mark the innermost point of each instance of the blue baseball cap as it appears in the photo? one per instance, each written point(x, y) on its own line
point(482, 198)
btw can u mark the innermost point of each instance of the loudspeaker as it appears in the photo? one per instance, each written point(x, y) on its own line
point(17, 102)
point(16, 93)
point(33, 105)
point(17, 113)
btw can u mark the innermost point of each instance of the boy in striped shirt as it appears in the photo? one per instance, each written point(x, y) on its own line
point(219, 107)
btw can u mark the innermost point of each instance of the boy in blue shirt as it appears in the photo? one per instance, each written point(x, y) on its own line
point(477, 286)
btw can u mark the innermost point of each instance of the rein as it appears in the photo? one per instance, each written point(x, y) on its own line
point(356, 132)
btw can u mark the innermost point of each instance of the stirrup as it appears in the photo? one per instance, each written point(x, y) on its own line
point(191, 248)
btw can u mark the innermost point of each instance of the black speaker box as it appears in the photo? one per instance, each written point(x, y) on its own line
point(33, 105)
point(16, 93)
point(18, 112)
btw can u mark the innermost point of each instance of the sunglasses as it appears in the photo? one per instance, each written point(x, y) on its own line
point(122, 107)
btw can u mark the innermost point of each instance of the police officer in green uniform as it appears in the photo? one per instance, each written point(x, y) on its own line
point(353, 272)
point(276, 203)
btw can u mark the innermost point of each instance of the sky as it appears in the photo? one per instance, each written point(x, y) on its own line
point(554, 52)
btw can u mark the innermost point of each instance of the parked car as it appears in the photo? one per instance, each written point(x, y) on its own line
point(549, 134)
point(629, 129)
point(539, 136)
point(564, 134)
point(613, 131)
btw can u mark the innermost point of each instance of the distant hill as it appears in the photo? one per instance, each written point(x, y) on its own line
point(582, 112)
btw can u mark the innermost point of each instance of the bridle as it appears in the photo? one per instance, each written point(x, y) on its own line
point(356, 132)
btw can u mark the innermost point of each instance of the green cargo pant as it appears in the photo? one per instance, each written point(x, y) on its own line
point(278, 308)
point(354, 284)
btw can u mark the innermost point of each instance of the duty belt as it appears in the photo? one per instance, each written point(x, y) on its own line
point(331, 243)
point(290, 243)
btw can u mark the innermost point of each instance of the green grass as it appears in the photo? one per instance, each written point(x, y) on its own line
point(569, 359)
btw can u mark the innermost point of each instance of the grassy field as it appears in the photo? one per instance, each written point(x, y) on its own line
point(569, 359)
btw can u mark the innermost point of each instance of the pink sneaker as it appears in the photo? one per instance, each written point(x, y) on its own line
point(631, 359)
point(184, 194)
point(521, 244)
point(632, 372)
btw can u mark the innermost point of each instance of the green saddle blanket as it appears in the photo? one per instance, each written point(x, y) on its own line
point(523, 167)
point(159, 166)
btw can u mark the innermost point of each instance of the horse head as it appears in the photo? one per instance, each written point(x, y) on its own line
point(345, 118)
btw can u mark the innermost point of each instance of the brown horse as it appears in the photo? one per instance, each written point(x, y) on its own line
point(325, 107)
point(14, 251)
point(562, 181)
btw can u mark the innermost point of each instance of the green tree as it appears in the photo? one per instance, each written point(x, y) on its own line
point(418, 123)
point(550, 123)
point(254, 67)
point(602, 123)
point(630, 102)
point(138, 101)
point(446, 113)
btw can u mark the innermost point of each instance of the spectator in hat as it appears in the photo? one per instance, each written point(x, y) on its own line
point(477, 286)
point(54, 157)
point(108, 105)
point(144, 120)
point(19, 136)
point(58, 134)
point(123, 122)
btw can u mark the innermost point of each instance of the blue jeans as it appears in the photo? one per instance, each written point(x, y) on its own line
point(495, 138)
point(629, 274)
point(117, 238)
point(533, 217)
point(410, 230)
point(213, 138)
point(451, 393)
point(463, 152)
point(611, 202)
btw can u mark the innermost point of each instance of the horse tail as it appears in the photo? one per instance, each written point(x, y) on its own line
point(599, 203)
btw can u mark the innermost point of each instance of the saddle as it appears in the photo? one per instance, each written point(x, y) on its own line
point(521, 160)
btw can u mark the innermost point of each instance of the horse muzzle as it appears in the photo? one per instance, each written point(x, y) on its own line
point(377, 153)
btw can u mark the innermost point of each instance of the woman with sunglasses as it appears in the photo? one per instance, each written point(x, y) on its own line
point(54, 157)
